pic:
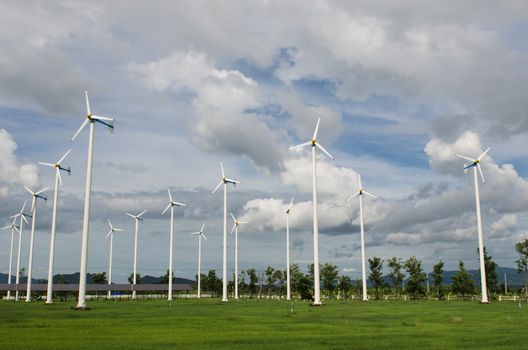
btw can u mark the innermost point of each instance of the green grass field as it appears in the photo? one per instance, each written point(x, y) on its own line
point(264, 324)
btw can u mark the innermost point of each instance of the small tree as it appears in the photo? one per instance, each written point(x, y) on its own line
point(438, 270)
point(376, 277)
point(415, 283)
point(344, 285)
point(462, 283)
point(99, 278)
point(280, 276)
point(395, 271)
point(131, 278)
point(329, 275)
point(253, 280)
point(270, 279)
point(165, 278)
point(522, 264)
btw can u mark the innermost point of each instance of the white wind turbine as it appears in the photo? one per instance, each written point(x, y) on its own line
point(58, 181)
point(171, 234)
point(236, 223)
point(288, 283)
point(22, 216)
point(200, 236)
point(315, 144)
point(475, 164)
point(109, 122)
point(14, 228)
point(360, 194)
point(35, 196)
point(111, 235)
point(224, 181)
point(137, 219)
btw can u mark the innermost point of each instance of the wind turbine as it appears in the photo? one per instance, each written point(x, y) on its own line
point(200, 236)
point(288, 287)
point(58, 167)
point(13, 228)
point(475, 164)
point(35, 196)
point(171, 206)
point(108, 122)
point(315, 144)
point(22, 216)
point(224, 181)
point(360, 194)
point(235, 229)
point(111, 235)
point(137, 218)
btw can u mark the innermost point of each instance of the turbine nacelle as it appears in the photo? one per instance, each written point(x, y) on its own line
point(91, 118)
point(137, 217)
point(224, 180)
point(474, 163)
point(313, 142)
point(58, 167)
point(236, 223)
point(112, 229)
point(200, 233)
point(361, 191)
point(172, 203)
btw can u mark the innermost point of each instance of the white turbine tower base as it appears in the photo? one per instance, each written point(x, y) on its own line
point(58, 182)
point(111, 235)
point(108, 122)
point(137, 219)
point(224, 181)
point(171, 235)
point(199, 276)
point(315, 144)
point(360, 194)
point(236, 223)
point(35, 196)
point(475, 164)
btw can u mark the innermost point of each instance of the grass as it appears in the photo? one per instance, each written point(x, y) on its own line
point(264, 324)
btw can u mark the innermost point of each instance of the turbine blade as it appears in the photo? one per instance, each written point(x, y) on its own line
point(217, 187)
point(316, 129)
point(232, 216)
point(118, 230)
point(86, 121)
point(234, 227)
point(352, 197)
point(222, 168)
point(27, 189)
point(166, 208)
point(64, 156)
point(42, 190)
point(464, 157)
point(98, 117)
point(291, 204)
point(170, 196)
point(57, 171)
point(242, 222)
point(202, 229)
point(178, 204)
point(481, 174)
point(369, 194)
point(324, 150)
point(6, 227)
point(484, 153)
point(132, 216)
point(108, 234)
point(23, 207)
point(204, 237)
point(87, 102)
point(298, 147)
point(110, 224)
point(359, 181)
point(24, 218)
point(47, 164)
point(234, 182)
point(143, 212)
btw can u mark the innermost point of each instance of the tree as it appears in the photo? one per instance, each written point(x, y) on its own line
point(270, 279)
point(295, 278)
point(329, 274)
point(99, 278)
point(462, 283)
point(438, 270)
point(280, 276)
point(253, 280)
point(212, 283)
point(522, 264)
point(376, 277)
point(165, 278)
point(344, 285)
point(305, 284)
point(242, 285)
point(491, 272)
point(395, 266)
point(415, 283)
point(131, 278)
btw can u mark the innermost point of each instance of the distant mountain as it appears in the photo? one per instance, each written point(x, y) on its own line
point(73, 278)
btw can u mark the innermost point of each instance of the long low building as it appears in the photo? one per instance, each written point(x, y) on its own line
point(96, 287)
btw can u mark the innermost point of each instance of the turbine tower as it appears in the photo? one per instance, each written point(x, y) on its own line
point(137, 219)
point(35, 196)
point(200, 236)
point(108, 122)
point(14, 228)
point(224, 181)
point(22, 216)
point(288, 283)
point(111, 235)
point(171, 234)
point(315, 144)
point(236, 223)
point(58, 181)
point(360, 194)
point(475, 164)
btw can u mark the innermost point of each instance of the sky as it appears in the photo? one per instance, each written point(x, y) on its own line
point(400, 87)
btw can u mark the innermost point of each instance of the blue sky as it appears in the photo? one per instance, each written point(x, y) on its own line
point(399, 88)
